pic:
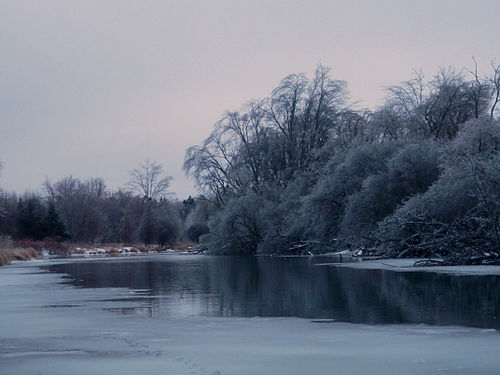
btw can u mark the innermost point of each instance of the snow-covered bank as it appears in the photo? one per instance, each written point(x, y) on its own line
point(407, 265)
point(117, 250)
point(52, 328)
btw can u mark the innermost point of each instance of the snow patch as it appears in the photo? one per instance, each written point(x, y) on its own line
point(407, 265)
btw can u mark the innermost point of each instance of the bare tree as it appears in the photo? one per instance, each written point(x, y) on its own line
point(269, 140)
point(495, 82)
point(480, 89)
point(148, 181)
point(79, 202)
point(304, 111)
point(438, 107)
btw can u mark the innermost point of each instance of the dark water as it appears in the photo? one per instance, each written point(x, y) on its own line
point(284, 287)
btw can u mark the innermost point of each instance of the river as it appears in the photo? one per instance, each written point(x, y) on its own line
point(170, 314)
point(290, 287)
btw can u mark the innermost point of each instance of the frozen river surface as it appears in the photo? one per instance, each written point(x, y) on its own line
point(201, 315)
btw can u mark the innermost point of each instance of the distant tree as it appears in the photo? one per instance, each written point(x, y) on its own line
point(52, 223)
point(127, 226)
point(121, 211)
point(189, 204)
point(148, 181)
point(1, 166)
point(30, 223)
point(8, 213)
point(3, 211)
point(148, 228)
point(80, 205)
point(168, 231)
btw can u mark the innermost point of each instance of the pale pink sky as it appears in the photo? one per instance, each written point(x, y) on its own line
point(91, 88)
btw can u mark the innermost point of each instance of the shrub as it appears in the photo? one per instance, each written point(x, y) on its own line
point(53, 246)
point(238, 229)
point(324, 207)
point(195, 231)
point(410, 171)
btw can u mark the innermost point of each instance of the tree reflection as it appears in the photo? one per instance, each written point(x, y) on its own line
point(290, 287)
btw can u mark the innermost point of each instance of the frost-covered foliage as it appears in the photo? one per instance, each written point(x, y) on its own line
point(438, 107)
point(458, 216)
point(238, 228)
point(302, 172)
point(283, 221)
point(325, 206)
point(411, 170)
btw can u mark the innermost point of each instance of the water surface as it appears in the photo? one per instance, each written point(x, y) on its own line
point(179, 286)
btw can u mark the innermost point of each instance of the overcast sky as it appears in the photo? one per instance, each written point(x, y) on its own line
point(92, 88)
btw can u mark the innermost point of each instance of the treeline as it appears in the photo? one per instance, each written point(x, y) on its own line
point(85, 210)
point(301, 171)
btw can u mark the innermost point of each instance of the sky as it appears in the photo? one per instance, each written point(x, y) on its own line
point(93, 88)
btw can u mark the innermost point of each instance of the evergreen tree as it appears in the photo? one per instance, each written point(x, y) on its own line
point(30, 222)
point(54, 227)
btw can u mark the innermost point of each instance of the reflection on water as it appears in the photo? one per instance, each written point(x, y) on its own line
point(278, 287)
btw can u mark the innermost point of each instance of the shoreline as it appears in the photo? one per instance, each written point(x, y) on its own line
point(406, 265)
point(386, 264)
point(76, 251)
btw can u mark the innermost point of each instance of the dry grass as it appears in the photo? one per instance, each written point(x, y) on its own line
point(112, 251)
point(141, 248)
point(10, 255)
point(75, 250)
point(183, 246)
point(156, 248)
point(29, 254)
point(147, 249)
point(53, 246)
point(7, 256)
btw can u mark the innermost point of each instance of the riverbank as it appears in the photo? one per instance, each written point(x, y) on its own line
point(113, 250)
point(52, 327)
point(408, 265)
point(117, 250)
point(42, 249)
